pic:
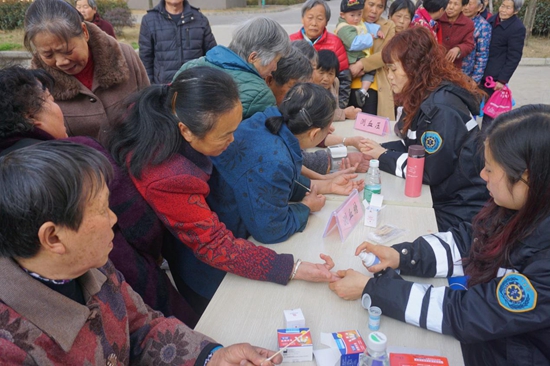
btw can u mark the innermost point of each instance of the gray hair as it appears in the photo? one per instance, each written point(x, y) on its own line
point(307, 49)
point(262, 35)
point(517, 4)
point(295, 66)
point(91, 3)
point(310, 4)
point(56, 17)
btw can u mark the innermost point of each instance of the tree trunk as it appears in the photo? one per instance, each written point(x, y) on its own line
point(491, 6)
point(529, 19)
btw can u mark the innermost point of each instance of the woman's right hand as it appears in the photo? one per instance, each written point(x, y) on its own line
point(313, 200)
point(388, 256)
point(351, 112)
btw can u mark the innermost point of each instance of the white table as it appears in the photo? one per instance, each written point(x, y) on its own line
point(250, 311)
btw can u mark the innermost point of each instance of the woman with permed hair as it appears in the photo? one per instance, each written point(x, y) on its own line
point(439, 103)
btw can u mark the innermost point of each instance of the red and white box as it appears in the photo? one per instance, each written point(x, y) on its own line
point(299, 351)
point(404, 359)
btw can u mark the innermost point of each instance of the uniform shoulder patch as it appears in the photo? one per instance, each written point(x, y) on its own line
point(431, 141)
point(516, 294)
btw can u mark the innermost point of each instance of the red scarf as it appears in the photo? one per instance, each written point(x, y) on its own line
point(86, 76)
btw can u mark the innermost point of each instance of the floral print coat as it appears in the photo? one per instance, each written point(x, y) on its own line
point(39, 326)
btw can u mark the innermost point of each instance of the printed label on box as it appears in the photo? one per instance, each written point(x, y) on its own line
point(403, 359)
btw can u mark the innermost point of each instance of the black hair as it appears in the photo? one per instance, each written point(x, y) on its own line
point(149, 133)
point(48, 181)
point(328, 61)
point(21, 97)
point(398, 5)
point(433, 6)
point(295, 66)
point(305, 106)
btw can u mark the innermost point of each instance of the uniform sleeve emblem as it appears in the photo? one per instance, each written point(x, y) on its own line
point(516, 294)
point(431, 141)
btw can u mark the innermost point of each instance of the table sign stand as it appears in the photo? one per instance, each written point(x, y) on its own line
point(346, 216)
point(372, 124)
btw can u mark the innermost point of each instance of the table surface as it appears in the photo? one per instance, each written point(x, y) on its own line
point(251, 311)
point(393, 187)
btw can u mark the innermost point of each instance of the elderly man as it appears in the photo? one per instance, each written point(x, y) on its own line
point(88, 9)
point(172, 33)
point(61, 301)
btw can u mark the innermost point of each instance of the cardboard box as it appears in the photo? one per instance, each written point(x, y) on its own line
point(345, 349)
point(294, 318)
point(403, 359)
point(372, 210)
point(299, 351)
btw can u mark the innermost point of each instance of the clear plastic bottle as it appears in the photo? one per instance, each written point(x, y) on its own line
point(372, 180)
point(376, 354)
point(369, 259)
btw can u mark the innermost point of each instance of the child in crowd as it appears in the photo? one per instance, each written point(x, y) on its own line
point(357, 37)
point(325, 75)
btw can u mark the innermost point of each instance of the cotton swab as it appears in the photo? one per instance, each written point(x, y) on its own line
point(284, 348)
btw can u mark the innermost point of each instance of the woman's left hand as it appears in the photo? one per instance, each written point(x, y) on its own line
point(356, 69)
point(350, 286)
point(373, 149)
point(343, 184)
point(317, 272)
point(453, 54)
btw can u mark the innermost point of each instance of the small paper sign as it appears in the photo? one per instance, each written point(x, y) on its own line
point(372, 124)
point(346, 216)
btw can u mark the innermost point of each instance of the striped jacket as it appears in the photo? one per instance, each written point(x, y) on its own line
point(503, 322)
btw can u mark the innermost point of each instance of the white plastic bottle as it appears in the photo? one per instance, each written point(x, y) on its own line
point(372, 180)
point(369, 259)
point(376, 354)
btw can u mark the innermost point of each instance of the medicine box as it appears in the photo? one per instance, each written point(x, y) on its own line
point(372, 210)
point(351, 346)
point(299, 351)
point(403, 359)
point(294, 318)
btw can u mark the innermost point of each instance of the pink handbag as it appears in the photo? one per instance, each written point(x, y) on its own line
point(499, 102)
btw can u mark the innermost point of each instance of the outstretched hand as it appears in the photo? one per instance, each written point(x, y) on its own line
point(344, 184)
point(244, 354)
point(317, 272)
point(350, 286)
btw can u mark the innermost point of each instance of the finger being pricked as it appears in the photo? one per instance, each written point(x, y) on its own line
point(328, 260)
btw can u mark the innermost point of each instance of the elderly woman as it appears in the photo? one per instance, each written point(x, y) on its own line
point(93, 72)
point(401, 13)
point(29, 115)
point(165, 143)
point(62, 301)
point(474, 64)
point(88, 9)
point(506, 47)
point(457, 32)
point(380, 96)
point(315, 17)
point(438, 103)
point(252, 55)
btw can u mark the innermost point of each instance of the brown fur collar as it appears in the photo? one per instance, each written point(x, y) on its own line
point(110, 66)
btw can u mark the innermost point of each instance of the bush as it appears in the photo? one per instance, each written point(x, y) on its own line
point(12, 14)
point(542, 17)
point(119, 18)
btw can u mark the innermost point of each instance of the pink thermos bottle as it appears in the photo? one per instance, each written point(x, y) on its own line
point(415, 171)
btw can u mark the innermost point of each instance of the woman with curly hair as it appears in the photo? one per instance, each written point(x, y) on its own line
point(502, 318)
point(439, 103)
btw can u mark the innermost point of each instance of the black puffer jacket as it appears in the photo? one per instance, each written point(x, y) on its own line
point(451, 137)
point(165, 45)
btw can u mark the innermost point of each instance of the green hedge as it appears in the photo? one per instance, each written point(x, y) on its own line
point(274, 2)
point(12, 14)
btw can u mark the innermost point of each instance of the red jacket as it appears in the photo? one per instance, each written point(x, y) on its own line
point(458, 34)
point(327, 41)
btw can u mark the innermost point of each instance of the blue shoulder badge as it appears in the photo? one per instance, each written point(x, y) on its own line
point(431, 141)
point(516, 294)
